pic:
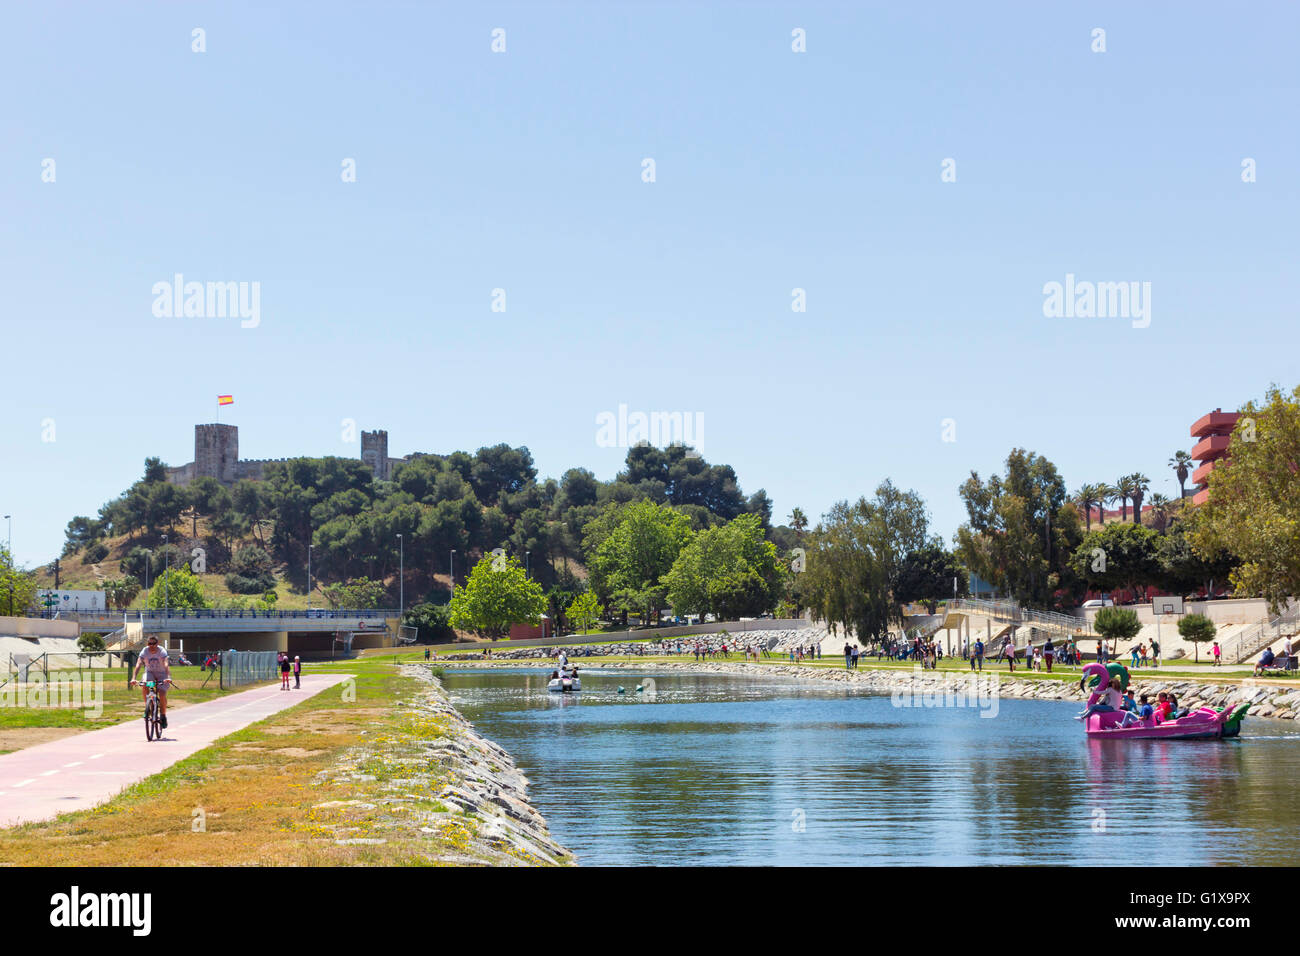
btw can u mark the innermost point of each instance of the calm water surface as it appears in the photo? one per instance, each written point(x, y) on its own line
point(720, 769)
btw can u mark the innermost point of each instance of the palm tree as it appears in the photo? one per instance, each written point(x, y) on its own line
point(1181, 463)
point(1106, 495)
point(1123, 491)
point(1087, 498)
point(798, 521)
point(1141, 485)
point(1161, 507)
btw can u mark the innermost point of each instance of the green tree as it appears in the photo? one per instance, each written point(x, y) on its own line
point(250, 571)
point(729, 571)
point(17, 587)
point(1117, 623)
point(355, 594)
point(1124, 489)
point(177, 588)
point(496, 595)
point(927, 575)
point(1181, 463)
point(1183, 569)
point(854, 556)
point(1140, 485)
point(432, 623)
point(632, 562)
point(1253, 509)
point(88, 643)
point(1088, 497)
point(1198, 629)
point(1118, 555)
point(1020, 531)
point(584, 611)
point(120, 592)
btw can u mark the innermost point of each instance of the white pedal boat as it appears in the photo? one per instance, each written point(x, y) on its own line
point(564, 684)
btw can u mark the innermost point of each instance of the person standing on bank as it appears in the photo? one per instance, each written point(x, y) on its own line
point(297, 672)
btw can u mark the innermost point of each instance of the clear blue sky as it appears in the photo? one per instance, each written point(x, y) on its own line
point(522, 171)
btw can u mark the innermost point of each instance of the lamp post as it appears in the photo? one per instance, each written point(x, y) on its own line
point(167, 567)
point(10, 549)
point(527, 563)
point(147, 562)
point(401, 577)
point(451, 575)
point(309, 547)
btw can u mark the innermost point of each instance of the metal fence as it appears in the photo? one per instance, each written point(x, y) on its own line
point(248, 667)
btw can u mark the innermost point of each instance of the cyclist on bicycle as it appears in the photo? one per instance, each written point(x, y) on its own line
point(157, 669)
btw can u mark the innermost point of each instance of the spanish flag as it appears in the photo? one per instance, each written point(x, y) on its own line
point(225, 399)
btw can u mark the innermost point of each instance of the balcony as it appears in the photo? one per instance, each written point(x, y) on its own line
point(1211, 447)
point(1202, 475)
point(1216, 422)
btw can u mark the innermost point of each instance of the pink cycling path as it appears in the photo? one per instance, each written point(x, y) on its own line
point(85, 770)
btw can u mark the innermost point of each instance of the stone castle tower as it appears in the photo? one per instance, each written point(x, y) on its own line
point(216, 452)
point(374, 452)
point(216, 455)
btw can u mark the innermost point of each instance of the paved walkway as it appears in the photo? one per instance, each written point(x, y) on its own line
point(84, 770)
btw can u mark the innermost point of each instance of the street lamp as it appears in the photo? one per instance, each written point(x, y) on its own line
point(401, 577)
point(309, 547)
point(167, 567)
point(527, 563)
point(10, 548)
point(451, 575)
point(148, 561)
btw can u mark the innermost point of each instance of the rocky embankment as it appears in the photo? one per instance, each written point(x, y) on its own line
point(1267, 700)
point(714, 642)
point(438, 781)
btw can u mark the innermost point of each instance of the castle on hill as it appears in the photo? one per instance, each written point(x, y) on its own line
point(216, 455)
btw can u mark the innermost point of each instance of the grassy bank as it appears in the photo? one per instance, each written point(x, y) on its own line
point(284, 791)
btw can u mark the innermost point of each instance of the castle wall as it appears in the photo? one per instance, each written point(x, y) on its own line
point(216, 455)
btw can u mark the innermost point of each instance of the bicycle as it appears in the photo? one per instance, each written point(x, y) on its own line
point(153, 709)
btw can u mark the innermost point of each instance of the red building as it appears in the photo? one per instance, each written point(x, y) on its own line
point(1214, 431)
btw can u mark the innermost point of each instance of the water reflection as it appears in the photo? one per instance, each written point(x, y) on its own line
point(718, 769)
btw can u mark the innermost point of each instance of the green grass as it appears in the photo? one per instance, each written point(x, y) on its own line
point(118, 701)
point(261, 790)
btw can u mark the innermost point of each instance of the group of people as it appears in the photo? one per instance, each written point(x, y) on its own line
point(286, 667)
point(1139, 654)
point(1113, 698)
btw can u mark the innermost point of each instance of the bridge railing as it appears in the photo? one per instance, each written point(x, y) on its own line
point(211, 613)
point(1013, 612)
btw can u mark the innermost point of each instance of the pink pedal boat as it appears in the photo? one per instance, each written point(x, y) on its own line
point(1201, 724)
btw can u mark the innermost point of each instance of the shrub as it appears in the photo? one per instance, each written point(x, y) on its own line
point(91, 642)
point(95, 553)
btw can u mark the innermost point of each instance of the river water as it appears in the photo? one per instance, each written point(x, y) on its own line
point(718, 769)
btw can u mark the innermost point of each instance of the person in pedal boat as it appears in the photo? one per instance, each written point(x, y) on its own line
point(1143, 712)
point(1110, 700)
